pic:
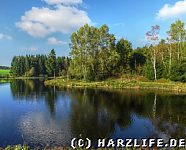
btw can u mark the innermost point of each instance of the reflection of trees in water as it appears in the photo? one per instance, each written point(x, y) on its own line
point(3, 81)
point(87, 116)
point(172, 108)
point(95, 112)
point(170, 116)
point(51, 98)
point(34, 90)
point(27, 89)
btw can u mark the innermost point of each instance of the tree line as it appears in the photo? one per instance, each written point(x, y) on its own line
point(166, 58)
point(39, 65)
point(97, 55)
point(4, 67)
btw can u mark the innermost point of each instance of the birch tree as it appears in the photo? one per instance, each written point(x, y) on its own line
point(153, 37)
point(177, 35)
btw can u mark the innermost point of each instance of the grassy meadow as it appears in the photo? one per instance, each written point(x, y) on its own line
point(4, 72)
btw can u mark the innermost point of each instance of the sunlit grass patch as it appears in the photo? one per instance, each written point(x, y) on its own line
point(4, 72)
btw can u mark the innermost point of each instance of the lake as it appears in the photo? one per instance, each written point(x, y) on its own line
point(33, 114)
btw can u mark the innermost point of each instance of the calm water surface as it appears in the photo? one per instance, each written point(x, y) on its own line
point(33, 114)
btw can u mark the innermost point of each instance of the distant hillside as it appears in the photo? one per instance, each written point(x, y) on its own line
point(4, 67)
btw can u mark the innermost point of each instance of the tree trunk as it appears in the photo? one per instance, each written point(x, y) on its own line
point(170, 57)
point(154, 66)
point(54, 74)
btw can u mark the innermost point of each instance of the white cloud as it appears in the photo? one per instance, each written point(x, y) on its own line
point(172, 11)
point(65, 2)
point(5, 37)
point(40, 22)
point(54, 41)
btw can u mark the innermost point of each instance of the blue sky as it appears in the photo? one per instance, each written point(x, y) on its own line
point(37, 26)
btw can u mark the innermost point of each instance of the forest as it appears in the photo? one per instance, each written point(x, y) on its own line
point(39, 65)
point(4, 67)
point(96, 55)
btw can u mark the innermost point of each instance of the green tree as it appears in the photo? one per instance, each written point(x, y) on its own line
point(137, 61)
point(51, 63)
point(124, 49)
point(177, 34)
point(93, 54)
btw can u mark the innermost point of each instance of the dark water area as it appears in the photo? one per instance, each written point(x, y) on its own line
point(33, 114)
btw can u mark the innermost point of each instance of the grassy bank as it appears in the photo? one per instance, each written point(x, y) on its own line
point(120, 84)
point(4, 73)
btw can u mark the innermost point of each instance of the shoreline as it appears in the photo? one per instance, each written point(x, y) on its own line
point(24, 78)
point(175, 87)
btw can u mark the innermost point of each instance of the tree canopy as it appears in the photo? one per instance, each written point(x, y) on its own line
point(39, 65)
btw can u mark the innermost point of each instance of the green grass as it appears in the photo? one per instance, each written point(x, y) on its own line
point(4, 73)
point(168, 86)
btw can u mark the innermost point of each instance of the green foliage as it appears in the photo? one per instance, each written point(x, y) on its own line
point(177, 31)
point(137, 61)
point(124, 49)
point(39, 65)
point(93, 54)
point(148, 70)
point(51, 63)
point(4, 68)
point(178, 72)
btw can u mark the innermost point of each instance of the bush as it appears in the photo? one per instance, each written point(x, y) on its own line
point(143, 79)
point(162, 80)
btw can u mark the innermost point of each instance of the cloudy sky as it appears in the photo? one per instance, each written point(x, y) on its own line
point(37, 26)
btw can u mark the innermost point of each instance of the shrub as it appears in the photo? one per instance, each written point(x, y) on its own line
point(143, 79)
point(162, 80)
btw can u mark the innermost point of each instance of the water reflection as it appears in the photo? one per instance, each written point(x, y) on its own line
point(100, 111)
point(49, 116)
point(34, 90)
